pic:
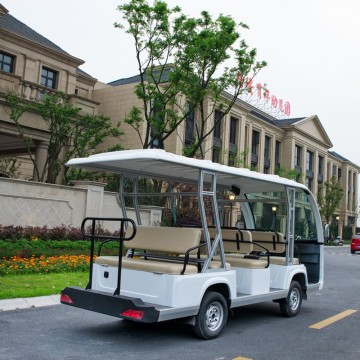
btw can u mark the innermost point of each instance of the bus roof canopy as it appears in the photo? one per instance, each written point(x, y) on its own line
point(159, 164)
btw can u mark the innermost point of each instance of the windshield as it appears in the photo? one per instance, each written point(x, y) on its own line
point(268, 211)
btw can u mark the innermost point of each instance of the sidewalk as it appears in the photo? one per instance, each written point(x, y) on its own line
point(18, 303)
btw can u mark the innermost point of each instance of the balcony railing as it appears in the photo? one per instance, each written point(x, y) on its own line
point(34, 92)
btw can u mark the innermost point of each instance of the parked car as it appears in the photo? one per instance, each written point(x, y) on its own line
point(355, 243)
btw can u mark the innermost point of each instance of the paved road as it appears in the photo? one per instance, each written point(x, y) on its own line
point(254, 332)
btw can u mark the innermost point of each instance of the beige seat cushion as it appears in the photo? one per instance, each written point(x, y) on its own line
point(158, 266)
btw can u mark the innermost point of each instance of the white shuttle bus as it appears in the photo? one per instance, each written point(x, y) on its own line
point(255, 238)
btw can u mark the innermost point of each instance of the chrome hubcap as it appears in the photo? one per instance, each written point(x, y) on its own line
point(214, 316)
point(294, 299)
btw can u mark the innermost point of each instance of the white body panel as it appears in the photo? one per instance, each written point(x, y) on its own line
point(162, 289)
point(253, 281)
point(281, 275)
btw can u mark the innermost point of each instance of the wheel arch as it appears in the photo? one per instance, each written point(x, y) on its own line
point(221, 288)
point(301, 279)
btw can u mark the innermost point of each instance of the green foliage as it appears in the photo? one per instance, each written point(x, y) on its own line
point(179, 60)
point(329, 196)
point(11, 232)
point(71, 134)
point(291, 174)
point(9, 166)
point(26, 248)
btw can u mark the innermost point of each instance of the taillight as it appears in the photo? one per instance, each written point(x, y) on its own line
point(133, 314)
point(66, 299)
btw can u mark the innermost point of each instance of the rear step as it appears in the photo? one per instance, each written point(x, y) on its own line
point(114, 305)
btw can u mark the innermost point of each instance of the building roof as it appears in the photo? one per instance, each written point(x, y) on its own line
point(83, 73)
point(9, 23)
point(340, 157)
point(285, 122)
point(125, 81)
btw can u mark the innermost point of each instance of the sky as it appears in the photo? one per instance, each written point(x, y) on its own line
point(311, 47)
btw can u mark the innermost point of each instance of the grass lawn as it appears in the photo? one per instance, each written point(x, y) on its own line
point(21, 286)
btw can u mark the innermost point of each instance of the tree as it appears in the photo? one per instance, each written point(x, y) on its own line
point(71, 134)
point(9, 167)
point(183, 67)
point(329, 196)
point(291, 174)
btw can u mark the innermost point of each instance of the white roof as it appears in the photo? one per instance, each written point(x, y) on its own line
point(155, 163)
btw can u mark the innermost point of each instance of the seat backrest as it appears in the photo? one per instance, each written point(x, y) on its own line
point(238, 241)
point(273, 241)
point(167, 239)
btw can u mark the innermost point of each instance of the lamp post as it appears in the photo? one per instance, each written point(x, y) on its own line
point(273, 224)
point(337, 217)
point(231, 198)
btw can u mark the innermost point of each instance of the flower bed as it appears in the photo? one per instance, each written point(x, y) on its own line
point(43, 265)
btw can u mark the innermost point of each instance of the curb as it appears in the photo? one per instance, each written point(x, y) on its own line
point(19, 303)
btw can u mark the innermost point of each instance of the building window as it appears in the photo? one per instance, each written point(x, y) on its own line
point(233, 130)
point(233, 140)
point(297, 159)
point(277, 154)
point(255, 147)
point(334, 170)
point(217, 142)
point(255, 142)
point(189, 128)
point(49, 78)
point(320, 174)
point(321, 166)
point(339, 174)
point(217, 120)
point(267, 147)
point(308, 183)
point(7, 62)
point(309, 161)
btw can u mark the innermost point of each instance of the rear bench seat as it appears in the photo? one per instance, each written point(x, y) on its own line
point(168, 243)
point(237, 247)
point(274, 242)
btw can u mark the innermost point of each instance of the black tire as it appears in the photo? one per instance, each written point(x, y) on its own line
point(212, 316)
point(353, 251)
point(290, 306)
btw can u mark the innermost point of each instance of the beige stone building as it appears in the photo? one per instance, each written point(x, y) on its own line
point(250, 137)
point(31, 64)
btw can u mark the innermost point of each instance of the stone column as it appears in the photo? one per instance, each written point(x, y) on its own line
point(41, 154)
point(94, 198)
point(249, 136)
point(261, 151)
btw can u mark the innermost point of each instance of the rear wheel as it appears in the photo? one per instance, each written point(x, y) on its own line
point(291, 305)
point(212, 316)
point(353, 251)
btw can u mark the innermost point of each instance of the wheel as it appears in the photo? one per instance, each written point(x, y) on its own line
point(212, 316)
point(353, 251)
point(291, 305)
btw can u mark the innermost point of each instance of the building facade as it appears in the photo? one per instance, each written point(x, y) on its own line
point(30, 65)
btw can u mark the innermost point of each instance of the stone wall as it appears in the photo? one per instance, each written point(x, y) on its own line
point(27, 203)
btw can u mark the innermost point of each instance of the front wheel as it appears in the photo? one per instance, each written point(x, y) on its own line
point(291, 305)
point(212, 316)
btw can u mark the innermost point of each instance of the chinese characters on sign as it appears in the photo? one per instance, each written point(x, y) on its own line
point(263, 94)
